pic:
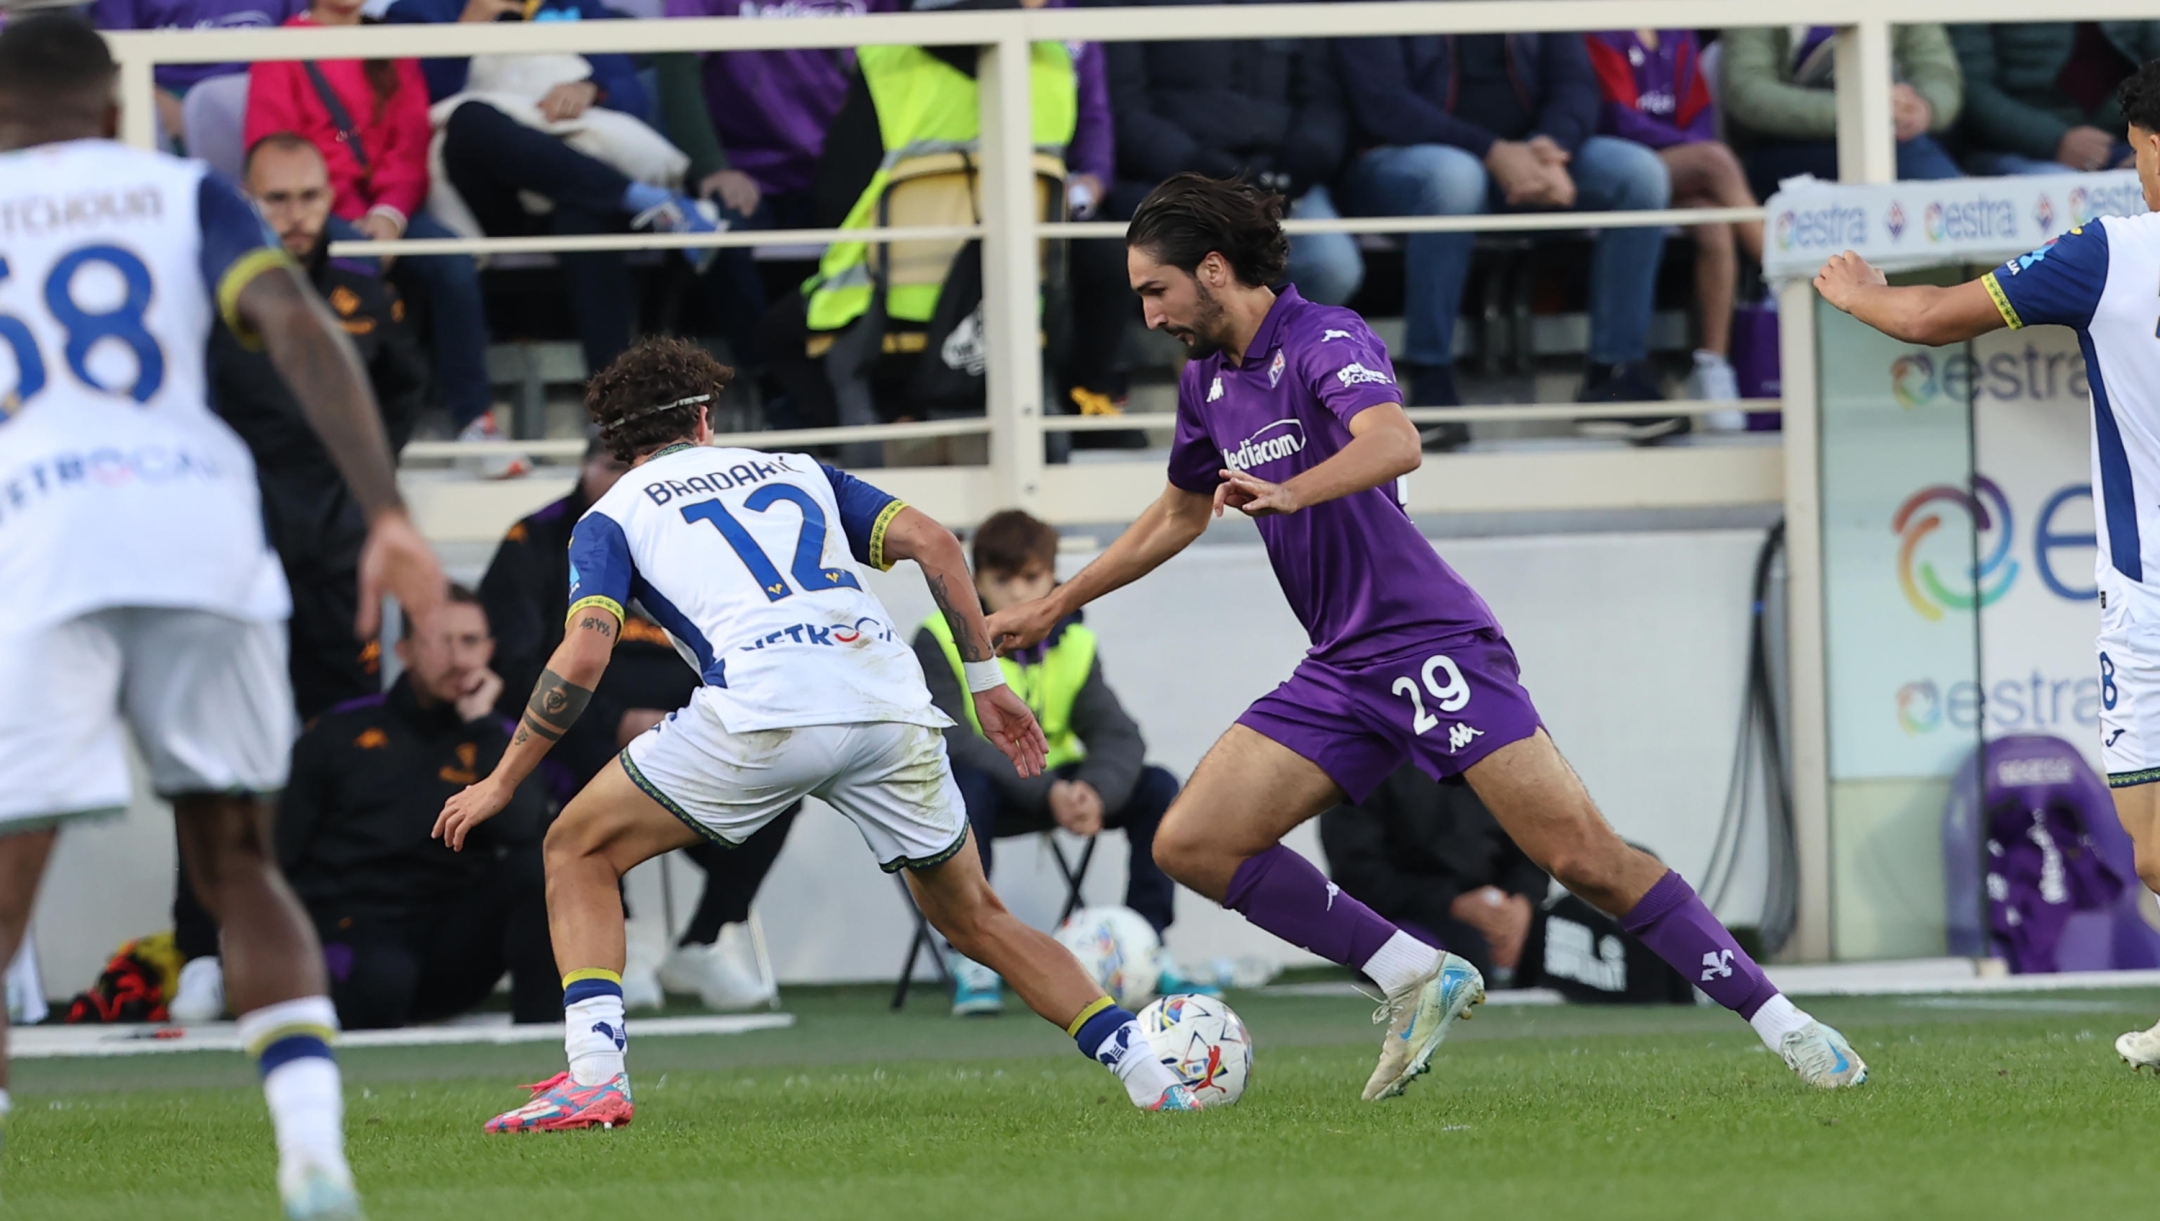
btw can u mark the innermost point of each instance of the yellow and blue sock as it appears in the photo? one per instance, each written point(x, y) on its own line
point(1112, 1037)
point(594, 1036)
point(290, 1043)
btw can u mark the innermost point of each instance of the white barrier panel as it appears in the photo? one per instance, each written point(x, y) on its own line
point(1904, 225)
point(1642, 691)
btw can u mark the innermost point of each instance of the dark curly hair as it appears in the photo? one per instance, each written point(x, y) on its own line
point(2139, 96)
point(641, 402)
point(1189, 215)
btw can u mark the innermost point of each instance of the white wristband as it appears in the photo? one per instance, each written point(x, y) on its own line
point(982, 675)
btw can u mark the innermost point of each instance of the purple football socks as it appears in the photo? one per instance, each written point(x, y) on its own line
point(1673, 921)
point(1283, 893)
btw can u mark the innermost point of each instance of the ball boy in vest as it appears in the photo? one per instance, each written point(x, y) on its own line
point(1097, 775)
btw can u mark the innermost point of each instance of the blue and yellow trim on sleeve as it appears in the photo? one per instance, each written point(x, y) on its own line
point(610, 605)
point(2002, 301)
point(1072, 1028)
point(236, 279)
point(877, 535)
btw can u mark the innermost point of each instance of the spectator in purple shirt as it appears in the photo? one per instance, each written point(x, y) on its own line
point(1656, 95)
point(174, 80)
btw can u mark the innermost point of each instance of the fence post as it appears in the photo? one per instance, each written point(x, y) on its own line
point(1806, 645)
point(138, 93)
point(1866, 144)
point(1012, 281)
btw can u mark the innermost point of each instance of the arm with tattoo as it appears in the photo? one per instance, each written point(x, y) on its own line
point(565, 688)
point(1003, 718)
point(963, 614)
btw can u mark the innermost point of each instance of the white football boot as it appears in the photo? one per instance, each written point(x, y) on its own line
point(724, 975)
point(2140, 1049)
point(1822, 1057)
point(1418, 1019)
point(200, 995)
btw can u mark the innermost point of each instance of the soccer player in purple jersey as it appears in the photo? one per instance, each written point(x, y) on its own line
point(1289, 413)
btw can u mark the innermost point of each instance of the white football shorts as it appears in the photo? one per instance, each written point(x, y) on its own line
point(892, 780)
point(2129, 649)
point(208, 697)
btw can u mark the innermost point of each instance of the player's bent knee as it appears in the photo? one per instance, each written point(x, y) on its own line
point(1597, 874)
point(2148, 865)
point(1180, 850)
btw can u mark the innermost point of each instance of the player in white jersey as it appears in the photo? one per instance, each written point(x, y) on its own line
point(137, 589)
point(2100, 280)
point(752, 564)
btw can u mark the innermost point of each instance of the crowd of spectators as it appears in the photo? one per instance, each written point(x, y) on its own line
point(1414, 126)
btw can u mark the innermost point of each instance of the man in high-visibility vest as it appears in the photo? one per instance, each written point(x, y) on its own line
point(1097, 774)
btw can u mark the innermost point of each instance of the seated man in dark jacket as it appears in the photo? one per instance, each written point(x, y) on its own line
point(1097, 774)
point(1460, 124)
point(314, 521)
point(1271, 109)
point(527, 592)
point(412, 931)
point(1431, 858)
point(2040, 95)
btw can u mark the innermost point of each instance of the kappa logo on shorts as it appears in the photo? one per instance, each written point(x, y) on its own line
point(1460, 735)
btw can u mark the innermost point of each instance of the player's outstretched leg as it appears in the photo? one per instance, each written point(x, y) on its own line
point(1221, 838)
point(607, 830)
point(274, 977)
point(1541, 803)
point(22, 864)
point(957, 900)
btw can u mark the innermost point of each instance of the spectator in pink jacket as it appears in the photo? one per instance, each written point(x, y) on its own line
point(370, 119)
point(1656, 95)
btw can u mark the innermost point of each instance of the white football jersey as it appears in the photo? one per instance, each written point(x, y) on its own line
point(2103, 280)
point(118, 484)
point(748, 561)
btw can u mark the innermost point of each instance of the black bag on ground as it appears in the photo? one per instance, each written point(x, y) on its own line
point(1584, 954)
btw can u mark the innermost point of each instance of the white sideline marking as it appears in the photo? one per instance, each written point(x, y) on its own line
point(1940, 975)
point(1343, 987)
point(58, 1042)
point(1912, 977)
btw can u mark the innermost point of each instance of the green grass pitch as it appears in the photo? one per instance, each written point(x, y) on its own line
point(1979, 1106)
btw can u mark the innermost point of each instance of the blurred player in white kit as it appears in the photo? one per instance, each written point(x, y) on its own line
point(137, 588)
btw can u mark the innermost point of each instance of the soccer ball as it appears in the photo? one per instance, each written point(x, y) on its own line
point(1204, 1043)
point(1118, 949)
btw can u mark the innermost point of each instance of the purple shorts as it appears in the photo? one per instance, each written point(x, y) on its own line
point(1443, 706)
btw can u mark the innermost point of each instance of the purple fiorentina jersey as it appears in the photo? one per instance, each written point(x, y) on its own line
point(1361, 577)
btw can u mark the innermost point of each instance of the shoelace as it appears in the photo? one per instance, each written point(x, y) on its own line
point(1385, 1014)
point(1814, 1056)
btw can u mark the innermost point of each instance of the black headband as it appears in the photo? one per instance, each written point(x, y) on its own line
point(692, 401)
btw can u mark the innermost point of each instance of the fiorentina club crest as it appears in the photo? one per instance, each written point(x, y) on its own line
point(1894, 221)
point(2044, 214)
